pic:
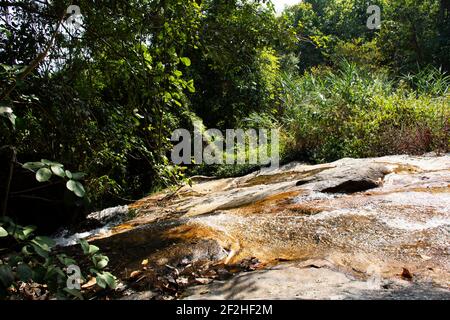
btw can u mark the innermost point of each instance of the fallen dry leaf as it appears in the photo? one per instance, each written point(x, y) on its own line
point(92, 282)
point(135, 274)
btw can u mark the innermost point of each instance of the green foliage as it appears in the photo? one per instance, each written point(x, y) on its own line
point(45, 169)
point(412, 32)
point(429, 81)
point(355, 113)
point(103, 279)
point(235, 67)
point(103, 102)
point(32, 259)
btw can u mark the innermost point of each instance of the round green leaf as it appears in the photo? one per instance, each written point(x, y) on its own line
point(102, 264)
point(84, 245)
point(28, 230)
point(101, 282)
point(6, 275)
point(3, 233)
point(68, 174)
point(65, 260)
point(93, 249)
point(24, 272)
point(51, 163)
point(105, 279)
point(186, 61)
point(45, 243)
point(76, 188)
point(43, 175)
point(33, 165)
point(59, 171)
point(110, 280)
point(40, 251)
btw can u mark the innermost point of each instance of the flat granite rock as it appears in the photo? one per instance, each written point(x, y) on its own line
point(291, 282)
point(353, 229)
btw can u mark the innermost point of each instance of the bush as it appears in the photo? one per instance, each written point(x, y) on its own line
point(31, 261)
point(352, 112)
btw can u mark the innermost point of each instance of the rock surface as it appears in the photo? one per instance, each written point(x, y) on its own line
point(363, 221)
point(292, 281)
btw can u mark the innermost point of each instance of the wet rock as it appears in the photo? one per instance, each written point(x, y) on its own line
point(352, 186)
point(145, 295)
point(109, 215)
point(289, 282)
point(349, 176)
point(355, 222)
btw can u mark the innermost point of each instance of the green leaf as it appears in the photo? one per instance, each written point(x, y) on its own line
point(102, 264)
point(84, 245)
point(51, 163)
point(59, 171)
point(41, 252)
point(23, 234)
point(100, 261)
point(25, 250)
point(190, 86)
point(65, 260)
point(14, 260)
point(54, 271)
point(44, 242)
point(93, 271)
point(78, 175)
point(186, 61)
point(24, 272)
point(39, 273)
point(101, 282)
point(33, 165)
point(69, 174)
point(3, 233)
point(28, 231)
point(93, 249)
point(75, 293)
point(6, 275)
point(106, 279)
point(76, 188)
point(110, 280)
point(43, 175)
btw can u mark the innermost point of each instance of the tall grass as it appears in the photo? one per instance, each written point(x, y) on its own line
point(430, 81)
point(352, 112)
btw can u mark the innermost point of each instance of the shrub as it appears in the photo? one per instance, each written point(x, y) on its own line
point(32, 261)
point(353, 112)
